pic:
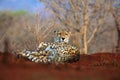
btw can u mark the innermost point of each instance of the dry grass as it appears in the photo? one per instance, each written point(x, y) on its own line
point(27, 31)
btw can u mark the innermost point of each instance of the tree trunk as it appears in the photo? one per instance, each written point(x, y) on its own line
point(118, 42)
point(117, 25)
point(85, 28)
point(118, 31)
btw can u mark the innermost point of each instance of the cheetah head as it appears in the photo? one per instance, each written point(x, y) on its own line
point(62, 36)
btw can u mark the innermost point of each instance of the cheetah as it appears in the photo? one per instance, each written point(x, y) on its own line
point(60, 51)
point(59, 37)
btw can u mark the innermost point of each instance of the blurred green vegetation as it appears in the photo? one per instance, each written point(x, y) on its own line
point(19, 12)
point(14, 13)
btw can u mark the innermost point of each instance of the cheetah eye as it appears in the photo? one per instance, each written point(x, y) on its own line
point(66, 34)
point(59, 33)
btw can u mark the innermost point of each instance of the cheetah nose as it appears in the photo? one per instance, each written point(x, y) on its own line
point(63, 38)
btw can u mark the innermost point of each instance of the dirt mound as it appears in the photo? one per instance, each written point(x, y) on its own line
point(99, 66)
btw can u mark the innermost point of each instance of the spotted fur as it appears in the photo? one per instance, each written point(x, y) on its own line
point(57, 52)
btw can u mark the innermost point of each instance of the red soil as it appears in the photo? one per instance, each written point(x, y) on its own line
point(99, 66)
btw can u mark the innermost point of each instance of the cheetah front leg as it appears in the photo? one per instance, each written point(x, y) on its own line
point(42, 46)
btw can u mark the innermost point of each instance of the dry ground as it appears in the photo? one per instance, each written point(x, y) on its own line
point(99, 66)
